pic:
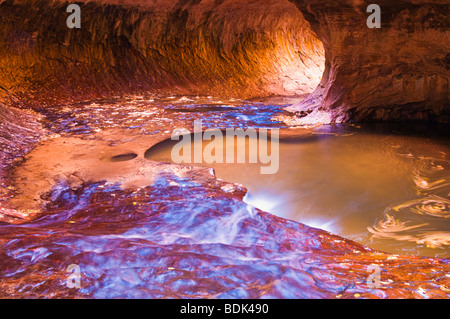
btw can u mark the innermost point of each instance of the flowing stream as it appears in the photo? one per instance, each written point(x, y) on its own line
point(136, 228)
point(388, 191)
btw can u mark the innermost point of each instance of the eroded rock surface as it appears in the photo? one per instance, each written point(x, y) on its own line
point(178, 231)
point(234, 48)
point(142, 229)
point(190, 236)
point(20, 132)
point(222, 48)
point(400, 71)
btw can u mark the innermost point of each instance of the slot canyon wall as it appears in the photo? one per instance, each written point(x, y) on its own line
point(222, 48)
point(397, 72)
point(219, 48)
point(233, 48)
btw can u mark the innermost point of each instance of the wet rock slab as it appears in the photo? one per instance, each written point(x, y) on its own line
point(191, 236)
point(155, 230)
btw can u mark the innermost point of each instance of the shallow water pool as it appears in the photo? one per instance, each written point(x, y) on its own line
point(388, 191)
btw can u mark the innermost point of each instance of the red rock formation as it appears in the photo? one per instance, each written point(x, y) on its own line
point(168, 246)
point(220, 48)
point(399, 71)
point(20, 131)
point(243, 49)
point(234, 48)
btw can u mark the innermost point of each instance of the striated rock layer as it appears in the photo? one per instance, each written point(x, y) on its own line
point(149, 241)
point(234, 48)
point(397, 72)
point(220, 48)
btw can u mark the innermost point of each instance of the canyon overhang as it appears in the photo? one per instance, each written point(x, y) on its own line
point(234, 48)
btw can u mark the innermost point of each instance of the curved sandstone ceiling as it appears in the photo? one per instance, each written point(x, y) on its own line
point(233, 48)
point(221, 48)
point(400, 71)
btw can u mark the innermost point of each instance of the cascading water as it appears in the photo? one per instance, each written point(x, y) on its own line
point(83, 110)
point(388, 191)
point(137, 228)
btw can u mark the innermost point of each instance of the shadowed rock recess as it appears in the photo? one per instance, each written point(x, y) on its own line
point(79, 108)
point(397, 72)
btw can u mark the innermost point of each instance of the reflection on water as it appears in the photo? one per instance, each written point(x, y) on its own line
point(187, 235)
point(388, 191)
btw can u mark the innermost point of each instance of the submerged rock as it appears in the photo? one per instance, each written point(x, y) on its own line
point(143, 229)
point(140, 229)
point(185, 237)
